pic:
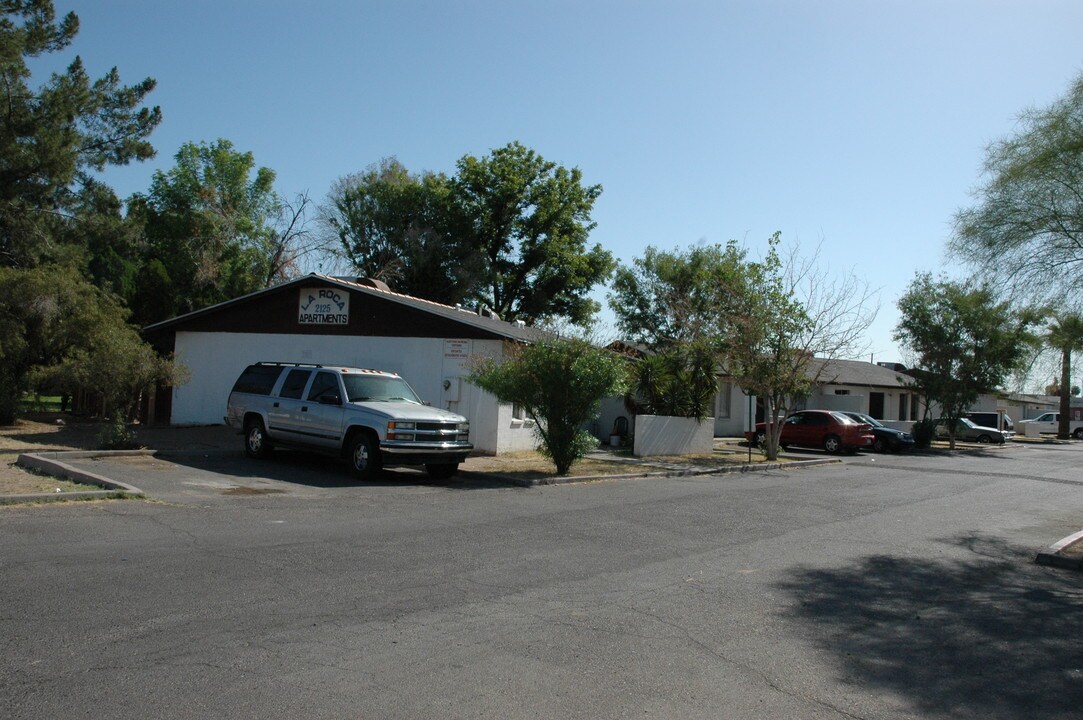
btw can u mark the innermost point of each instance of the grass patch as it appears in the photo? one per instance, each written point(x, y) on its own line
point(39, 403)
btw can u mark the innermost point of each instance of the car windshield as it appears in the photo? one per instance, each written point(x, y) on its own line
point(380, 388)
point(966, 422)
point(867, 419)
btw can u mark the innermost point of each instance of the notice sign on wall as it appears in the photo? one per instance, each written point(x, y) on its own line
point(323, 306)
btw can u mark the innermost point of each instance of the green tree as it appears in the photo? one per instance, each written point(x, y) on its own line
point(559, 383)
point(399, 228)
point(60, 333)
point(670, 297)
point(210, 224)
point(529, 218)
point(1066, 336)
point(1025, 232)
point(53, 136)
point(769, 338)
point(508, 231)
point(964, 342)
point(765, 320)
point(106, 242)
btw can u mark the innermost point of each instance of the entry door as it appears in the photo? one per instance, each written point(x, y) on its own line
point(876, 405)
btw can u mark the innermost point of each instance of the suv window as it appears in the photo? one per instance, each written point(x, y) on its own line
point(257, 379)
point(295, 384)
point(325, 384)
point(378, 387)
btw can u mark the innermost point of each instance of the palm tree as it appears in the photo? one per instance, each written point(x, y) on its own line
point(1065, 334)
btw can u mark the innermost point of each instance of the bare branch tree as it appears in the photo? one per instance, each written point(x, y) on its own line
point(295, 246)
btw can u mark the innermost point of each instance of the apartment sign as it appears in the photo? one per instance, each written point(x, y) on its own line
point(323, 306)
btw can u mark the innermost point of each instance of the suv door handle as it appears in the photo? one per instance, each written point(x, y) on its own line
point(276, 404)
point(304, 408)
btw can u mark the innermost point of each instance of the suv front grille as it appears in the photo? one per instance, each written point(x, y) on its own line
point(427, 432)
point(436, 427)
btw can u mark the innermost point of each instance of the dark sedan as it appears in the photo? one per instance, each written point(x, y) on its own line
point(886, 438)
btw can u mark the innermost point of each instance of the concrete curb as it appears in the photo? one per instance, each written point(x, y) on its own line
point(685, 472)
point(51, 463)
point(1052, 555)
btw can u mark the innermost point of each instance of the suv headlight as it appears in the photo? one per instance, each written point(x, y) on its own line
point(398, 430)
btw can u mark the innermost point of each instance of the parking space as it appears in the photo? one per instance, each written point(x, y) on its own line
point(220, 475)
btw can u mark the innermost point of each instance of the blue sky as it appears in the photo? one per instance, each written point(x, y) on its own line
point(855, 126)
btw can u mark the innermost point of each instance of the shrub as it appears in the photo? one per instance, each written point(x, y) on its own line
point(116, 434)
point(923, 432)
point(559, 383)
point(679, 382)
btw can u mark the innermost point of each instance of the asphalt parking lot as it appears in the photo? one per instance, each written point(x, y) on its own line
point(879, 587)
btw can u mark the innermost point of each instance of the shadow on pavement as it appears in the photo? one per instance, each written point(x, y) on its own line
point(993, 635)
point(316, 470)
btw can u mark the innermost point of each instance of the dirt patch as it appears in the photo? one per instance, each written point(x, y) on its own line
point(146, 462)
point(533, 466)
point(245, 490)
point(1073, 550)
point(41, 432)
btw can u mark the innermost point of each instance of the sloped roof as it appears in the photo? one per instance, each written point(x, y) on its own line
point(502, 328)
point(856, 372)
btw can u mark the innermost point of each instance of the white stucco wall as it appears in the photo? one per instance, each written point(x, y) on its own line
point(732, 418)
point(215, 360)
point(660, 435)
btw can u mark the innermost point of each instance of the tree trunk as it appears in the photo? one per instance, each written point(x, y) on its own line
point(1065, 425)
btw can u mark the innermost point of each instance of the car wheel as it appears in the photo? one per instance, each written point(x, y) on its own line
point(879, 445)
point(364, 457)
point(442, 471)
point(1078, 434)
point(832, 444)
point(256, 442)
point(984, 439)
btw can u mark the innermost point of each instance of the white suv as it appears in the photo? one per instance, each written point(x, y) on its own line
point(370, 416)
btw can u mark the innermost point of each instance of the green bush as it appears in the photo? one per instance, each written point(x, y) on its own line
point(116, 434)
point(923, 432)
point(558, 383)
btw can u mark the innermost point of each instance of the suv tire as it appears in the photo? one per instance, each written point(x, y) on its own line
point(364, 457)
point(256, 442)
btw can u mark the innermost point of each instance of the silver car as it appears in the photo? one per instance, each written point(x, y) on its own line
point(965, 429)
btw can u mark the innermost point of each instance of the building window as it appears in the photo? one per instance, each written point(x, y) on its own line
point(842, 392)
point(517, 412)
point(903, 400)
point(722, 401)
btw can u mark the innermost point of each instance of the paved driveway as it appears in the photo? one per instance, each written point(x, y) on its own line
point(885, 587)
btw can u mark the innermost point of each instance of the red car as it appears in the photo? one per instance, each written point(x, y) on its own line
point(832, 431)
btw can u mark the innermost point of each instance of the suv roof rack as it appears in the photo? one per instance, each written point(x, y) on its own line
point(289, 364)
